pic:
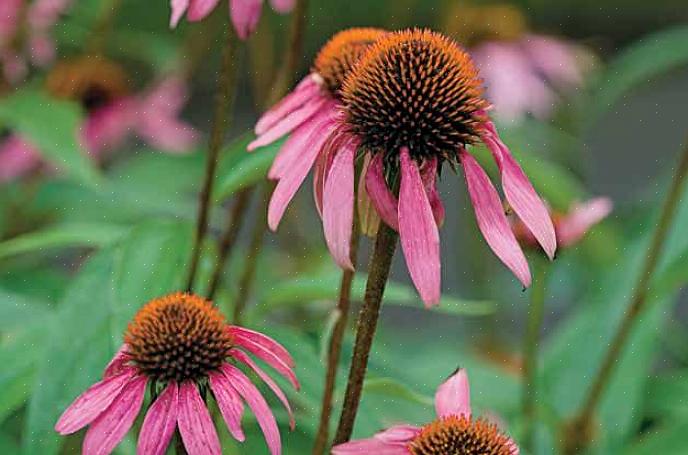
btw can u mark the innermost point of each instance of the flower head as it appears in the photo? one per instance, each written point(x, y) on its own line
point(455, 431)
point(180, 345)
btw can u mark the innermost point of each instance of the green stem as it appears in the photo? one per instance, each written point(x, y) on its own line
point(378, 273)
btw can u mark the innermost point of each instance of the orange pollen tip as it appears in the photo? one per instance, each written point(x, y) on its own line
point(178, 337)
point(461, 436)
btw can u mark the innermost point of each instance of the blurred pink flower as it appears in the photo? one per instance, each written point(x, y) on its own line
point(180, 343)
point(453, 432)
point(523, 77)
point(244, 13)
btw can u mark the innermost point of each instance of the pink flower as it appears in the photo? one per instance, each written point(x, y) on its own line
point(455, 431)
point(179, 345)
point(244, 13)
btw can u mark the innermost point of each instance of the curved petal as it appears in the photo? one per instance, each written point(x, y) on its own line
point(200, 9)
point(268, 380)
point(264, 341)
point(18, 157)
point(159, 423)
point(491, 219)
point(283, 6)
point(179, 7)
point(382, 198)
point(118, 363)
point(245, 16)
point(420, 239)
point(290, 122)
point(338, 206)
point(393, 441)
point(305, 90)
point(581, 218)
point(400, 434)
point(111, 426)
point(272, 360)
point(90, 404)
point(195, 424)
point(264, 416)
point(229, 402)
point(453, 396)
point(368, 218)
point(107, 127)
point(428, 173)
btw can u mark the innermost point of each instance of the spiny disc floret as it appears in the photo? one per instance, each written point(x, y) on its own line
point(418, 89)
point(178, 337)
point(456, 435)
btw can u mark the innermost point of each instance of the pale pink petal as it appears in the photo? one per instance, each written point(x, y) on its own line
point(420, 240)
point(337, 140)
point(393, 441)
point(268, 380)
point(382, 198)
point(10, 12)
point(245, 15)
point(229, 402)
point(428, 173)
point(338, 206)
point(118, 363)
point(90, 404)
point(42, 49)
point(514, 448)
point(107, 127)
point(43, 14)
point(581, 218)
point(491, 219)
point(272, 360)
point(13, 66)
point(263, 341)
point(179, 7)
point(17, 158)
point(453, 396)
point(556, 59)
point(160, 422)
point(200, 9)
point(282, 6)
point(255, 401)
point(398, 434)
point(520, 193)
point(195, 424)
point(308, 88)
point(111, 426)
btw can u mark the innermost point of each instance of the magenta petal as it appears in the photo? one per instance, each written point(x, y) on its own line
point(245, 15)
point(581, 218)
point(118, 363)
point(195, 424)
point(160, 422)
point(420, 239)
point(107, 127)
point(200, 9)
point(290, 122)
point(338, 206)
point(428, 173)
point(272, 360)
point(491, 219)
point(229, 402)
point(382, 198)
point(264, 341)
point(283, 6)
point(92, 403)
point(178, 7)
point(393, 441)
point(453, 396)
point(111, 426)
point(264, 416)
point(307, 89)
point(268, 380)
point(17, 157)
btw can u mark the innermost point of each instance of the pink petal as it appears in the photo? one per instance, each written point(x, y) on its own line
point(272, 360)
point(521, 194)
point(453, 396)
point(179, 7)
point(92, 403)
point(338, 206)
point(581, 218)
point(160, 422)
point(393, 441)
point(307, 89)
point(111, 426)
point(268, 380)
point(200, 9)
point(229, 402)
point(420, 240)
point(293, 177)
point(42, 48)
point(118, 363)
point(283, 6)
point(43, 14)
point(195, 424)
point(428, 173)
point(107, 127)
point(17, 158)
point(264, 416)
point(10, 12)
point(382, 198)
point(491, 219)
point(264, 341)
point(245, 15)
point(555, 59)
point(514, 448)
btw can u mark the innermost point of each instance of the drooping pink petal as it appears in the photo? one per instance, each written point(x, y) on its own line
point(382, 198)
point(282, 6)
point(200, 9)
point(337, 140)
point(393, 441)
point(338, 206)
point(555, 59)
point(420, 239)
point(229, 402)
point(580, 219)
point(307, 89)
point(428, 173)
point(118, 362)
point(453, 396)
point(107, 127)
point(255, 401)
point(293, 177)
point(111, 426)
point(264, 341)
point(245, 15)
point(10, 15)
point(520, 193)
point(159, 423)
point(398, 434)
point(195, 424)
point(90, 404)
point(268, 380)
point(178, 7)
point(491, 219)
point(272, 360)
point(17, 158)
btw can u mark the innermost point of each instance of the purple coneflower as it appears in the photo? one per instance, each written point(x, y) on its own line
point(181, 347)
point(455, 431)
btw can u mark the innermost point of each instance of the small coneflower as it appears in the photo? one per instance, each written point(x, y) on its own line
point(412, 103)
point(455, 431)
point(244, 13)
point(181, 348)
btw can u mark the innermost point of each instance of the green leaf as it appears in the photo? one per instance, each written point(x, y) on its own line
point(668, 440)
point(666, 395)
point(52, 125)
point(92, 235)
point(396, 390)
point(17, 311)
